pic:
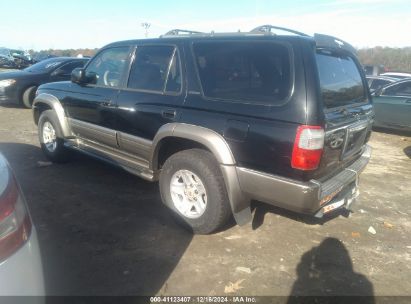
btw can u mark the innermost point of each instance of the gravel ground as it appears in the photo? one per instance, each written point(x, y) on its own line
point(103, 231)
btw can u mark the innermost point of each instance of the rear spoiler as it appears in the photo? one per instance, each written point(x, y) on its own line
point(325, 41)
point(322, 41)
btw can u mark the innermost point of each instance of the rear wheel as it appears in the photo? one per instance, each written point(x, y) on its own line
point(192, 185)
point(28, 97)
point(51, 137)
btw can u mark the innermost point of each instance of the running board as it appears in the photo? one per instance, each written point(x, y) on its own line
point(126, 161)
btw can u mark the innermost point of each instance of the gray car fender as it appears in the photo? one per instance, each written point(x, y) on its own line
point(54, 103)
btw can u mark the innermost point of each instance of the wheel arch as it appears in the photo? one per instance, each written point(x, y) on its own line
point(216, 144)
point(199, 136)
point(46, 101)
point(24, 90)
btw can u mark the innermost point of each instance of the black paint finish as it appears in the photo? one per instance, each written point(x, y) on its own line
point(261, 136)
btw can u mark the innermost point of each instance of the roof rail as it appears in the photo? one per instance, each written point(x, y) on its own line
point(267, 29)
point(333, 42)
point(176, 32)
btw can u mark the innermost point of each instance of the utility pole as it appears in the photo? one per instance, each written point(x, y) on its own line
point(145, 26)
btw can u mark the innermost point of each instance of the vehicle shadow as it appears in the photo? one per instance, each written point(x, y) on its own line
point(11, 105)
point(327, 271)
point(261, 209)
point(102, 231)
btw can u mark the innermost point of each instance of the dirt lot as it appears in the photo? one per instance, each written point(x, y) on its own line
point(103, 231)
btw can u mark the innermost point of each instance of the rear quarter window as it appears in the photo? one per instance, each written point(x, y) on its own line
point(250, 72)
point(340, 79)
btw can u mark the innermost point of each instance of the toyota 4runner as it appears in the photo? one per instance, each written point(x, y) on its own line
point(220, 120)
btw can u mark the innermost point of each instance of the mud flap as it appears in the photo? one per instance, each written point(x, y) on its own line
point(243, 217)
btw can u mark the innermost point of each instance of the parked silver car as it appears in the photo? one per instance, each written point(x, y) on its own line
point(21, 272)
point(377, 82)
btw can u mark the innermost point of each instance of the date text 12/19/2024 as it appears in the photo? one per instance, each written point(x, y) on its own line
point(205, 299)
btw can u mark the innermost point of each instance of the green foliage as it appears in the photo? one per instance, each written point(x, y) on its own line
point(393, 59)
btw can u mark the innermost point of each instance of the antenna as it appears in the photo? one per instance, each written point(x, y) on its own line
point(146, 26)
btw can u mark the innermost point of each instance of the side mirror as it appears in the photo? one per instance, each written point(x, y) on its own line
point(77, 75)
point(80, 76)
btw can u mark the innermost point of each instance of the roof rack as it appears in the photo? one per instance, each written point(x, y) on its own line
point(321, 40)
point(176, 32)
point(267, 29)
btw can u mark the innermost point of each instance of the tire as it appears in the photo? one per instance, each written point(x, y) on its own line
point(203, 171)
point(53, 149)
point(28, 97)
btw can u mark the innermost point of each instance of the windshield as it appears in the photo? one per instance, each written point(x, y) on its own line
point(45, 65)
point(340, 80)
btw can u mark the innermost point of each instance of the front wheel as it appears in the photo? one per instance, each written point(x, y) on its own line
point(192, 185)
point(51, 137)
point(28, 97)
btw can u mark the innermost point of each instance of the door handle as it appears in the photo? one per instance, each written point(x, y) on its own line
point(169, 113)
point(408, 101)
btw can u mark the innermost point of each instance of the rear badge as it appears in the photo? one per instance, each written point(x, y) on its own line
point(336, 140)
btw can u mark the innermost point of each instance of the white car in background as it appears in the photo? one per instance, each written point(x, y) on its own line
point(397, 75)
point(21, 272)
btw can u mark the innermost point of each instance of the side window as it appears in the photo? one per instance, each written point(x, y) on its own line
point(237, 71)
point(378, 83)
point(69, 67)
point(174, 75)
point(155, 68)
point(405, 89)
point(401, 89)
point(109, 66)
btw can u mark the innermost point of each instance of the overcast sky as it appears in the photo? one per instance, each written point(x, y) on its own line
point(44, 24)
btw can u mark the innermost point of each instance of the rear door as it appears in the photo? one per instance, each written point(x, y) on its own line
point(393, 106)
point(347, 109)
point(152, 97)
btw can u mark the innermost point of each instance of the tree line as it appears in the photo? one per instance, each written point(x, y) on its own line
point(63, 53)
point(392, 59)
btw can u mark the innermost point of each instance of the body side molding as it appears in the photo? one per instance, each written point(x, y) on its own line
point(55, 104)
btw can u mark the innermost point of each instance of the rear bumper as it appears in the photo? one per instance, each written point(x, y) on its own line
point(22, 274)
point(304, 197)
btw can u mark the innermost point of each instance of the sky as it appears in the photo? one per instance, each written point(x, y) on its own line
point(44, 24)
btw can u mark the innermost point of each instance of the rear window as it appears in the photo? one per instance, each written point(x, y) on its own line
point(243, 71)
point(340, 80)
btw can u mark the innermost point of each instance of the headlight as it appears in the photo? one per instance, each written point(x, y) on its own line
point(6, 83)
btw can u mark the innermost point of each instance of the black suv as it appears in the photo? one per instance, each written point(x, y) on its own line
point(220, 120)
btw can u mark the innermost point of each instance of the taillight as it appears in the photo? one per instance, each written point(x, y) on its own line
point(308, 147)
point(15, 223)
